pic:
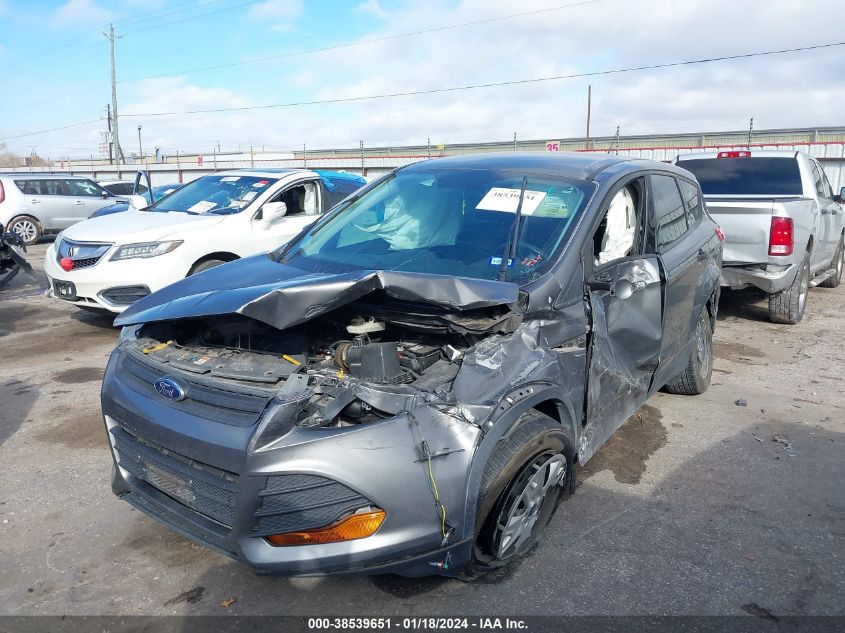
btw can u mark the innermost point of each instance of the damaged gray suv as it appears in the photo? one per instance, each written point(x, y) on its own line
point(406, 386)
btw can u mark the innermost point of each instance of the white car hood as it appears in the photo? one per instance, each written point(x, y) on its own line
point(139, 226)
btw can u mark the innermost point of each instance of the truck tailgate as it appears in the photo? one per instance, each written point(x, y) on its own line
point(746, 223)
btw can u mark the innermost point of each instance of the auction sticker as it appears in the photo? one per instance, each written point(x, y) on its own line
point(507, 200)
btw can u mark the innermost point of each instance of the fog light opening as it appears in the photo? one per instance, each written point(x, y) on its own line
point(356, 526)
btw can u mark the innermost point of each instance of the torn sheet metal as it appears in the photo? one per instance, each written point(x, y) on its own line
point(625, 349)
point(282, 296)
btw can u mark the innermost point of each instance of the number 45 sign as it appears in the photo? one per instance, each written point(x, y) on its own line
point(552, 146)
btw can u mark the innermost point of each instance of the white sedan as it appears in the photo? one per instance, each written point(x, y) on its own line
point(107, 263)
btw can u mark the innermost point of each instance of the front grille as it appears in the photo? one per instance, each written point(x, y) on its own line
point(207, 398)
point(205, 489)
point(84, 263)
point(124, 295)
point(291, 503)
point(82, 254)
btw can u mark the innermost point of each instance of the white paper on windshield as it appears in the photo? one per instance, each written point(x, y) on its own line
point(507, 200)
point(202, 207)
point(249, 195)
point(230, 178)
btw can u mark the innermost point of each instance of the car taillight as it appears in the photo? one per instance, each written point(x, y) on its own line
point(734, 154)
point(781, 236)
point(720, 234)
point(2, 192)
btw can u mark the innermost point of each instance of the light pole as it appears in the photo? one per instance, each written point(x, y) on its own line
point(140, 148)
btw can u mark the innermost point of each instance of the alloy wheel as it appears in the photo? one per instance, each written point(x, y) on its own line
point(26, 229)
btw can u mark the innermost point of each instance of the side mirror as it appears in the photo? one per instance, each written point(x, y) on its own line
point(837, 198)
point(105, 193)
point(272, 211)
point(139, 203)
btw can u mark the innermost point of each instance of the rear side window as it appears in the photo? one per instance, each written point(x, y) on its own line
point(668, 210)
point(692, 201)
point(40, 187)
point(746, 176)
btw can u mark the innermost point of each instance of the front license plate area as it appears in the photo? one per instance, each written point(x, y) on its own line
point(64, 290)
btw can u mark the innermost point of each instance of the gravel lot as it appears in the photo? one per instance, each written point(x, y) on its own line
point(696, 506)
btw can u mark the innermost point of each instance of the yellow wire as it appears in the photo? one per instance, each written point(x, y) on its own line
point(437, 499)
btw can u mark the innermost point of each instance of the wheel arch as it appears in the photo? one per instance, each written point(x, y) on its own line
point(225, 256)
point(543, 397)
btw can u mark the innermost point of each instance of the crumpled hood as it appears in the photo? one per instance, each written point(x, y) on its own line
point(282, 296)
point(138, 226)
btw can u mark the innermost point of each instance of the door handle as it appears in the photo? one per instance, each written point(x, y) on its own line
point(79, 202)
point(34, 201)
point(834, 211)
point(825, 211)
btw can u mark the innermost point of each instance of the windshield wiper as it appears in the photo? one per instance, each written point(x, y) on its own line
point(513, 236)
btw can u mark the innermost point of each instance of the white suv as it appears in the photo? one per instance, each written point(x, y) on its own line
point(33, 205)
point(109, 262)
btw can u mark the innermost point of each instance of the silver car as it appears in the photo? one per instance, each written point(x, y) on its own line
point(34, 205)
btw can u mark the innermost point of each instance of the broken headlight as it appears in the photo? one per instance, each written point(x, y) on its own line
point(145, 249)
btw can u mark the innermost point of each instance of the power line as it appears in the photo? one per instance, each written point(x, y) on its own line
point(195, 17)
point(459, 88)
point(296, 53)
point(52, 129)
point(358, 43)
point(496, 84)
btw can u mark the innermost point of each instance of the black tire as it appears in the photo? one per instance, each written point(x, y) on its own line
point(787, 306)
point(696, 376)
point(836, 264)
point(27, 227)
point(536, 443)
point(206, 264)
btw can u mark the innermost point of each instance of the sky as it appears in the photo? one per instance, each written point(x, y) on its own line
point(54, 65)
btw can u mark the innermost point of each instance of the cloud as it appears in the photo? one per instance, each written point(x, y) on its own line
point(279, 14)
point(373, 8)
point(801, 89)
point(74, 12)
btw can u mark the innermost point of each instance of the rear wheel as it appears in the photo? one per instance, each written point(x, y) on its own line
point(696, 376)
point(523, 483)
point(27, 227)
point(836, 265)
point(787, 306)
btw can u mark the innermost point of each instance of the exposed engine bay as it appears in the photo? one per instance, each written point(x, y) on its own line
point(345, 367)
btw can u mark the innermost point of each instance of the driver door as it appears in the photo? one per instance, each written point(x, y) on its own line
point(626, 304)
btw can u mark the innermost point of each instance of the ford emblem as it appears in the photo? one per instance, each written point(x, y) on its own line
point(169, 388)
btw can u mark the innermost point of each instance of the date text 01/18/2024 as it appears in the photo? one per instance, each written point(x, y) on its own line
point(417, 624)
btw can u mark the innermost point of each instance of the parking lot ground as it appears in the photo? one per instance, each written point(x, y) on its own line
point(698, 505)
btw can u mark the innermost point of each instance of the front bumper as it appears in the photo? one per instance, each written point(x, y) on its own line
point(375, 464)
point(107, 284)
point(770, 279)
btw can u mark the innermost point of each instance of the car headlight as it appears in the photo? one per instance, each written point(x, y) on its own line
point(145, 249)
point(129, 333)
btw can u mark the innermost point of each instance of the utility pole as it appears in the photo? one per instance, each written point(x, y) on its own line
point(750, 131)
point(140, 147)
point(514, 141)
point(110, 138)
point(118, 150)
point(363, 170)
point(589, 107)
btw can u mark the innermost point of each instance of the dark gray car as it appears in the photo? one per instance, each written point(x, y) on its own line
point(405, 386)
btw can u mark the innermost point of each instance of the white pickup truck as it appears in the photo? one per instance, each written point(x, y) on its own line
point(783, 224)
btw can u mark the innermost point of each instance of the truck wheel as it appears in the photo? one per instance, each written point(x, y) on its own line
point(836, 264)
point(522, 485)
point(202, 266)
point(696, 377)
point(27, 227)
point(787, 306)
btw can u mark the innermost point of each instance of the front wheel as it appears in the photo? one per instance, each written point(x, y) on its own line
point(28, 228)
point(696, 376)
point(207, 264)
point(523, 483)
point(787, 306)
